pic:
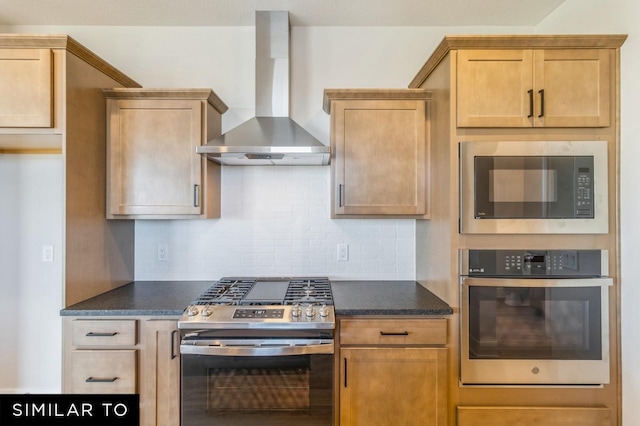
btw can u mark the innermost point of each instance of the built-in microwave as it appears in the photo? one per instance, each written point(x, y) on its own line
point(533, 187)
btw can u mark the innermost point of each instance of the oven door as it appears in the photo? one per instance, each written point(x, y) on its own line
point(249, 381)
point(535, 331)
point(533, 187)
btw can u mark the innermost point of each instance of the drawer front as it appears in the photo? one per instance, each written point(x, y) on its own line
point(108, 371)
point(393, 331)
point(508, 416)
point(103, 333)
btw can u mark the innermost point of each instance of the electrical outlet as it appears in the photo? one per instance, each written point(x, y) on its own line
point(343, 252)
point(47, 253)
point(162, 252)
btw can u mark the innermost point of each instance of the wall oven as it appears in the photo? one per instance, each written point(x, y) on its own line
point(534, 317)
point(533, 187)
point(258, 351)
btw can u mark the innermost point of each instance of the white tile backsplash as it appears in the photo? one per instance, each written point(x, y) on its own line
point(275, 221)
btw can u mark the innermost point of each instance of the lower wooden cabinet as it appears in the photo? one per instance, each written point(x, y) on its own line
point(100, 356)
point(160, 387)
point(395, 374)
point(129, 355)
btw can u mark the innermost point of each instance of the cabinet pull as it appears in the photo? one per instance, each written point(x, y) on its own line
point(345, 372)
point(196, 195)
point(530, 92)
point(340, 195)
point(541, 92)
point(92, 334)
point(173, 341)
point(387, 333)
point(101, 380)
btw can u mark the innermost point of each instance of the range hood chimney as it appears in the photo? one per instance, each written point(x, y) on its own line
point(271, 137)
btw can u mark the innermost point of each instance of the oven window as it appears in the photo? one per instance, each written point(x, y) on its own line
point(226, 390)
point(524, 187)
point(535, 323)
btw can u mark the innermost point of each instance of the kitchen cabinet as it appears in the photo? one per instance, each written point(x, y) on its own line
point(392, 371)
point(101, 356)
point(379, 161)
point(585, 69)
point(51, 102)
point(533, 87)
point(129, 354)
point(26, 84)
point(161, 373)
point(152, 167)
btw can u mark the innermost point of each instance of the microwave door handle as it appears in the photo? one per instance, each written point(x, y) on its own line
point(323, 346)
point(537, 282)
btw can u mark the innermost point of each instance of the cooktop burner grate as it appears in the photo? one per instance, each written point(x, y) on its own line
point(232, 291)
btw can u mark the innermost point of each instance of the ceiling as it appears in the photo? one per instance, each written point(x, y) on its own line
point(302, 12)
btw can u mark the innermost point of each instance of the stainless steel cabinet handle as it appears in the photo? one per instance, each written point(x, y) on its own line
point(530, 92)
point(196, 195)
point(401, 333)
point(340, 195)
point(101, 380)
point(92, 334)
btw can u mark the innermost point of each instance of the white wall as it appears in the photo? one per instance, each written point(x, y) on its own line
point(30, 290)
point(619, 17)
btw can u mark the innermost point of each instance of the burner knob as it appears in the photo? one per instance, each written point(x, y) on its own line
point(296, 311)
point(323, 311)
point(207, 311)
point(192, 311)
point(310, 312)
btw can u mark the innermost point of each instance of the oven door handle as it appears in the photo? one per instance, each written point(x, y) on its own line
point(257, 348)
point(536, 282)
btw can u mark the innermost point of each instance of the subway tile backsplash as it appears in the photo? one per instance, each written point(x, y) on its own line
point(275, 222)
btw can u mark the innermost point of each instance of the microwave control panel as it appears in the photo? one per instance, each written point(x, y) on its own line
point(583, 173)
point(534, 263)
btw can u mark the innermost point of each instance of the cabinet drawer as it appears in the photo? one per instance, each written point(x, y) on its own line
point(108, 371)
point(393, 331)
point(103, 333)
point(507, 416)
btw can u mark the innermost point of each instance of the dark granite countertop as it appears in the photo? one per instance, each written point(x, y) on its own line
point(169, 298)
point(386, 298)
point(141, 298)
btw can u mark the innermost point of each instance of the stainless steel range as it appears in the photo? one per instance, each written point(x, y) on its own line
point(258, 351)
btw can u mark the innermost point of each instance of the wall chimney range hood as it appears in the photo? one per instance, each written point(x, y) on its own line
point(271, 137)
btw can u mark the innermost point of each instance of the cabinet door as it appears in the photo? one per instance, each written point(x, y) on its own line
point(572, 88)
point(494, 88)
point(160, 394)
point(393, 386)
point(153, 166)
point(26, 81)
point(380, 157)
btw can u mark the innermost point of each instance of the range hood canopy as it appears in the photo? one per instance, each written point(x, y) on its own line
point(270, 138)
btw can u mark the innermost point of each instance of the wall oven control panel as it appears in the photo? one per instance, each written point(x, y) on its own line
point(534, 263)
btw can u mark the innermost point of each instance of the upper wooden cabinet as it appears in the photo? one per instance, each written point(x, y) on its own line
point(379, 152)
point(528, 81)
point(26, 84)
point(153, 169)
point(540, 88)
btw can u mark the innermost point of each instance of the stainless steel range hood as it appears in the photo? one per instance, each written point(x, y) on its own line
point(270, 138)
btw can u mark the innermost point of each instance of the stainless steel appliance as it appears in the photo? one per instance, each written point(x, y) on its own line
point(271, 137)
point(538, 317)
point(534, 187)
point(259, 351)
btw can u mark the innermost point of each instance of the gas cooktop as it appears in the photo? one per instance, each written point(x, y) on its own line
point(244, 302)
